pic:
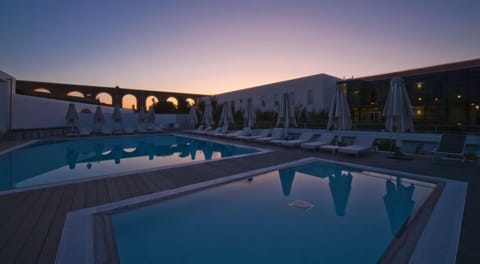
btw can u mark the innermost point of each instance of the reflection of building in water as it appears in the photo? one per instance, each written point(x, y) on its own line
point(399, 204)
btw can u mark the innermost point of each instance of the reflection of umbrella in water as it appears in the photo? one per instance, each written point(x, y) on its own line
point(193, 148)
point(183, 149)
point(117, 153)
point(286, 179)
point(207, 150)
point(318, 170)
point(150, 150)
point(399, 204)
point(98, 148)
point(72, 157)
point(340, 186)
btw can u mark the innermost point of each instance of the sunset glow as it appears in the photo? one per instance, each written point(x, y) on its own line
point(211, 47)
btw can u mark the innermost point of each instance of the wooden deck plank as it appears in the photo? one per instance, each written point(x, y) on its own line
point(50, 246)
point(79, 198)
point(17, 215)
point(102, 193)
point(112, 190)
point(122, 188)
point(9, 205)
point(91, 194)
point(132, 186)
point(39, 232)
point(24, 225)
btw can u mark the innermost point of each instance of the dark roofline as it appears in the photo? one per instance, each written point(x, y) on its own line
point(425, 70)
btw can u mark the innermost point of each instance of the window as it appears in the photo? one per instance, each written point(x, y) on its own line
point(263, 101)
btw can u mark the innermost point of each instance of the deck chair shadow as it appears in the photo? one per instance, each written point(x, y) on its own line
point(451, 145)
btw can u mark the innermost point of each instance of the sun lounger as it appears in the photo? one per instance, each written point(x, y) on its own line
point(262, 133)
point(451, 145)
point(277, 133)
point(243, 132)
point(304, 137)
point(362, 143)
point(325, 139)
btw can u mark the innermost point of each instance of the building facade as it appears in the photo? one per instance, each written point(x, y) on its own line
point(313, 93)
point(444, 97)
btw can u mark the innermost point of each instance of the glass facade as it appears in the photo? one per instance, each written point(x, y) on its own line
point(442, 100)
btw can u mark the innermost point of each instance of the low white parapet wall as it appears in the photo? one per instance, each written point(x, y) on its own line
point(30, 112)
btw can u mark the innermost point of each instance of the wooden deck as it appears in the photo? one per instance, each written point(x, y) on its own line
point(31, 222)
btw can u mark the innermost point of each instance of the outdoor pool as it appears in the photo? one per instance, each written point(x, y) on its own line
point(317, 212)
point(47, 162)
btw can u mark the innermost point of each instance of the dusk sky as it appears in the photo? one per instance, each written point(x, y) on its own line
point(211, 47)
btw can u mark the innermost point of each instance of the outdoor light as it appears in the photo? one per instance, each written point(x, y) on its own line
point(459, 96)
point(419, 85)
point(477, 107)
point(356, 91)
point(419, 112)
point(419, 98)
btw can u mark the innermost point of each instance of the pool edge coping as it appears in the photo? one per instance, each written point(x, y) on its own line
point(81, 223)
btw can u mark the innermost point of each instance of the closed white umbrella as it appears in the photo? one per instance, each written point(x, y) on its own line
point(249, 115)
point(141, 115)
point(226, 117)
point(72, 115)
point(117, 114)
point(207, 115)
point(98, 119)
point(339, 116)
point(286, 113)
point(193, 116)
point(151, 115)
point(398, 110)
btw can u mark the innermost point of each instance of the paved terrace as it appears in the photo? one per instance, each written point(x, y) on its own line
point(31, 222)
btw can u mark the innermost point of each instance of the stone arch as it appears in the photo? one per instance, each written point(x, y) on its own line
point(151, 99)
point(129, 101)
point(76, 94)
point(42, 90)
point(173, 100)
point(190, 101)
point(104, 98)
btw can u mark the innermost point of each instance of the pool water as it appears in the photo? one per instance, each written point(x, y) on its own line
point(56, 161)
point(314, 213)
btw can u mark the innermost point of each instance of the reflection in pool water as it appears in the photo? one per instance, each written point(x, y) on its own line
point(313, 213)
point(55, 161)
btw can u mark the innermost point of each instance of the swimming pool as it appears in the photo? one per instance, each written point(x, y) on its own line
point(312, 213)
point(65, 160)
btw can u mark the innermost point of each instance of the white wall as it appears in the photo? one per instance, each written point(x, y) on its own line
point(7, 84)
point(322, 86)
point(36, 112)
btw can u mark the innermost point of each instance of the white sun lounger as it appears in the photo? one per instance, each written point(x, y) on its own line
point(304, 137)
point(261, 134)
point(277, 133)
point(362, 143)
point(243, 132)
point(325, 139)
